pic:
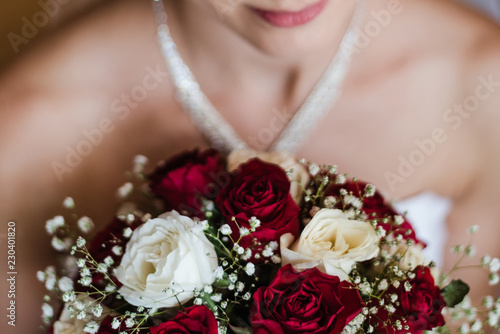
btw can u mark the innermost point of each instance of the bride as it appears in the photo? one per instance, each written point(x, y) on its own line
point(404, 94)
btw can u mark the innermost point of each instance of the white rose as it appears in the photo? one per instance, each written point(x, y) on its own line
point(332, 243)
point(165, 260)
point(298, 178)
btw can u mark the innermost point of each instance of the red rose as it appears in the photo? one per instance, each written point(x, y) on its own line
point(188, 177)
point(262, 190)
point(305, 302)
point(376, 208)
point(195, 319)
point(419, 309)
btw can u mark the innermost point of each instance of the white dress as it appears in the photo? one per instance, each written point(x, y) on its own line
point(427, 212)
point(491, 7)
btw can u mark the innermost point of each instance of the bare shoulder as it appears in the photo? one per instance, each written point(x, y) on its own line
point(75, 80)
point(110, 43)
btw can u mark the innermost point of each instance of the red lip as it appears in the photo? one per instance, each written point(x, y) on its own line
point(291, 19)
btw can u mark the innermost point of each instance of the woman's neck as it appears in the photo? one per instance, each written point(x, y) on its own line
point(213, 49)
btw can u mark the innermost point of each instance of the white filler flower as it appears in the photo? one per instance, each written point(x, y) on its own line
point(166, 259)
point(332, 243)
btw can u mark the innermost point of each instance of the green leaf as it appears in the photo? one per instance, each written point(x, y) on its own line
point(455, 292)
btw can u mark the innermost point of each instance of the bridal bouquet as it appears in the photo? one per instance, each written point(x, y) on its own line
point(255, 243)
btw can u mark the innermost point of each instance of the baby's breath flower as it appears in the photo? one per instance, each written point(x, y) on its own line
point(85, 224)
point(108, 260)
point(52, 225)
point(485, 260)
point(81, 315)
point(127, 232)
point(85, 281)
point(494, 279)
point(208, 289)
point(383, 285)
point(216, 297)
point(102, 268)
point(117, 250)
point(476, 326)
point(91, 327)
point(233, 278)
point(219, 272)
point(85, 272)
point(225, 229)
point(340, 179)
point(125, 190)
point(129, 322)
point(329, 202)
point(69, 296)
point(65, 284)
point(50, 283)
point(80, 242)
point(244, 231)
point(495, 265)
point(465, 328)
point(198, 301)
point(254, 223)
point(313, 169)
point(370, 190)
point(470, 251)
point(276, 259)
point(380, 231)
point(250, 269)
point(47, 310)
point(457, 249)
point(58, 244)
point(80, 263)
point(488, 301)
point(40, 275)
point(399, 220)
point(473, 229)
point(68, 203)
point(115, 323)
point(97, 310)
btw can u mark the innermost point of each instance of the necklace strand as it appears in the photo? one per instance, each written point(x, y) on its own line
point(217, 130)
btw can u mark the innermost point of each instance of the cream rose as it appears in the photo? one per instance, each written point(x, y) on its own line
point(298, 177)
point(69, 325)
point(332, 243)
point(68, 322)
point(165, 260)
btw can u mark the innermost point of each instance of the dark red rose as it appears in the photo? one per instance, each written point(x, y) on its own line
point(262, 190)
point(376, 208)
point(195, 319)
point(419, 309)
point(306, 302)
point(188, 177)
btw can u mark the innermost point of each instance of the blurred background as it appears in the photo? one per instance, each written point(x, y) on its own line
point(24, 22)
point(34, 19)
